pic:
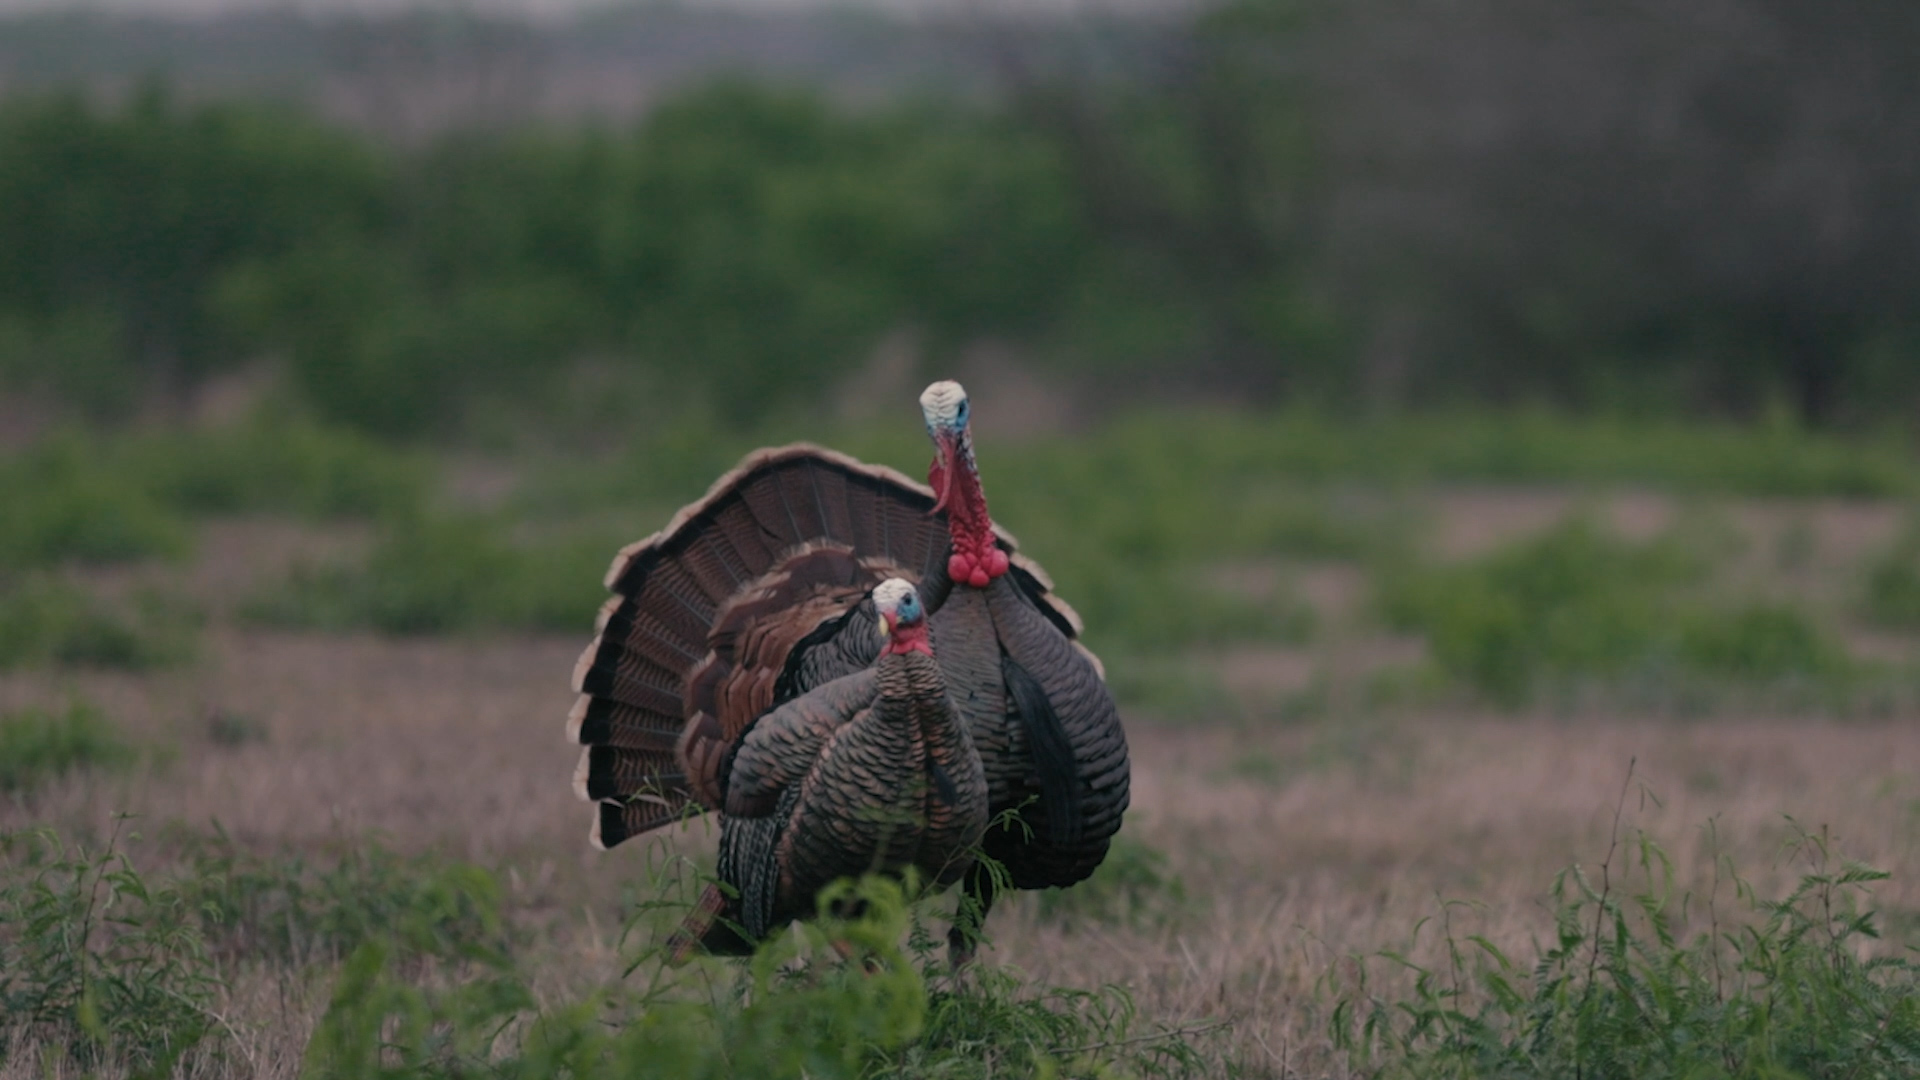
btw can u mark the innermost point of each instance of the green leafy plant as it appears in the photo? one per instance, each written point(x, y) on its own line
point(97, 960)
point(294, 909)
point(1645, 980)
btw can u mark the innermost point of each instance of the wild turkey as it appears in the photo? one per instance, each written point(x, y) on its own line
point(871, 772)
point(750, 597)
point(1036, 700)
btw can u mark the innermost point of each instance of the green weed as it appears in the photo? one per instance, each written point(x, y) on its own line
point(1652, 982)
point(121, 970)
point(38, 745)
point(794, 1010)
point(996, 1023)
point(290, 909)
point(96, 960)
point(1147, 607)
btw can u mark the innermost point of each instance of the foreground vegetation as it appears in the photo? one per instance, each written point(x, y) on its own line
point(422, 970)
point(1631, 983)
point(109, 968)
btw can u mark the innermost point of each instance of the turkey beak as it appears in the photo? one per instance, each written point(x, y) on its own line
point(946, 444)
point(886, 626)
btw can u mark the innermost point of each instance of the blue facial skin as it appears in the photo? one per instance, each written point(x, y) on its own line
point(908, 610)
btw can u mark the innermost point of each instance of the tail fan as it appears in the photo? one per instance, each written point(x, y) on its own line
point(708, 612)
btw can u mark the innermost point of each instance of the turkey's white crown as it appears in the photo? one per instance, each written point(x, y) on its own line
point(889, 594)
point(944, 403)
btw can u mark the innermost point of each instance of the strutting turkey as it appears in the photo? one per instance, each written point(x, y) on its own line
point(750, 597)
point(871, 772)
point(1035, 699)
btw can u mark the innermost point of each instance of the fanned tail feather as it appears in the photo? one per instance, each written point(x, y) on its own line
point(706, 611)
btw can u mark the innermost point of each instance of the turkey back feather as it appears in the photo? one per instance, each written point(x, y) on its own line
point(1074, 737)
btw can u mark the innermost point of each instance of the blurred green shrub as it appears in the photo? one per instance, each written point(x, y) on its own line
point(1142, 606)
point(273, 465)
point(1170, 688)
point(47, 620)
point(63, 501)
point(746, 247)
point(1761, 643)
point(429, 574)
point(1577, 605)
point(1890, 593)
point(119, 224)
point(101, 497)
point(752, 244)
point(38, 745)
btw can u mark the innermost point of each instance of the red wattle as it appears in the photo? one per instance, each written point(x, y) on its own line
point(976, 558)
point(908, 639)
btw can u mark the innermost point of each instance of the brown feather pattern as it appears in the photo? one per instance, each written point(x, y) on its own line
point(839, 782)
point(720, 613)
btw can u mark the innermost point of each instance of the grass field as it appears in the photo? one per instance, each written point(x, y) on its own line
point(1376, 703)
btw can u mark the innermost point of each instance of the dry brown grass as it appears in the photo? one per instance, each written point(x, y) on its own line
point(1296, 844)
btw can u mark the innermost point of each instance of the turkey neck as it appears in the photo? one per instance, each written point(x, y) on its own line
point(976, 559)
point(919, 721)
point(949, 781)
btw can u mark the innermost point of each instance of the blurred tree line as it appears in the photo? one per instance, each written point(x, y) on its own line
point(1706, 207)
